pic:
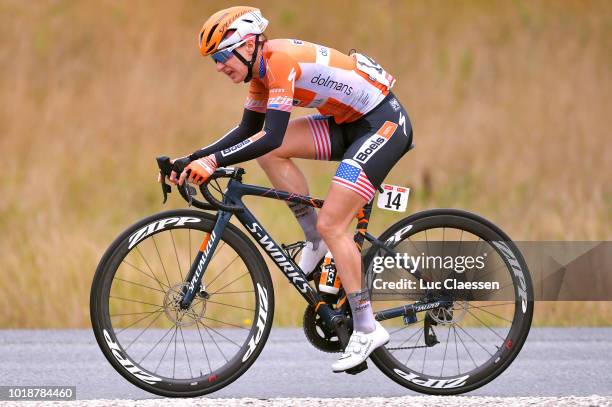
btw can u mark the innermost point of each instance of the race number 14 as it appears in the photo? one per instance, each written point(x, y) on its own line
point(393, 198)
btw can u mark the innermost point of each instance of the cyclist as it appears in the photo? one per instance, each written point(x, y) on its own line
point(361, 124)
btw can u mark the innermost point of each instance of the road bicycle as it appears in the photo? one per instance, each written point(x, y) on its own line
point(182, 302)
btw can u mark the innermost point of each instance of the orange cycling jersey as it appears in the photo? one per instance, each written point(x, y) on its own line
point(300, 73)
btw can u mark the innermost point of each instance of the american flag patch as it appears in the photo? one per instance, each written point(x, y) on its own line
point(351, 176)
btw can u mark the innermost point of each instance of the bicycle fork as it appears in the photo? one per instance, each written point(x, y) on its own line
point(211, 240)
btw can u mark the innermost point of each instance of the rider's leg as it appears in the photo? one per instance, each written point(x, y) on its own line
point(303, 139)
point(277, 164)
point(339, 209)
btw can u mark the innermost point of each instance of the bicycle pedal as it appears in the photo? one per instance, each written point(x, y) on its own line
point(357, 369)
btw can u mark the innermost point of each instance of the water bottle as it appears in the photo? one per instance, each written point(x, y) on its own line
point(329, 282)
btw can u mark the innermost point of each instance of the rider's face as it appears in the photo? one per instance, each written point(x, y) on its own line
point(233, 67)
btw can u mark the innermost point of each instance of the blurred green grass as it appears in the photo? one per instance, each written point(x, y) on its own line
point(510, 104)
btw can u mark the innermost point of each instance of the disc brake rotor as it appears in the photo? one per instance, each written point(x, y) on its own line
point(179, 316)
point(452, 314)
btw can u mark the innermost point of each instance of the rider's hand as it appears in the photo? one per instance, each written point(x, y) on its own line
point(200, 170)
point(173, 175)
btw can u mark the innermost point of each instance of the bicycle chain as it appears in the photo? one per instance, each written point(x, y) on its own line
point(409, 347)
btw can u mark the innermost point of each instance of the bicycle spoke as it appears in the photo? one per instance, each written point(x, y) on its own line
point(203, 347)
point(431, 272)
point(465, 347)
point(143, 331)
point(221, 272)
point(490, 305)
point(137, 321)
point(456, 350)
point(482, 275)
point(486, 326)
point(490, 313)
point(206, 328)
point(445, 348)
point(398, 329)
point(424, 358)
point(229, 305)
point(186, 354)
point(161, 285)
point(410, 337)
point(486, 293)
point(232, 282)
point(133, 313)
point(139, 302)
point(474, 339)
point(155, 346)
point(166, 350)
point(231, 292)
point(149, 267)
point(160, 259)
point(416, 343)
point(227, 323)
point(138, 284)
point(174, 364)
point(178, 264)
point(220, 334)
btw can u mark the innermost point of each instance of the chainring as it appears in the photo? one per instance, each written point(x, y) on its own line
point(319, 335)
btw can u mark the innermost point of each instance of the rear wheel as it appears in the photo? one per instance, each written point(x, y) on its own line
point(475, 337)
point(143, 332)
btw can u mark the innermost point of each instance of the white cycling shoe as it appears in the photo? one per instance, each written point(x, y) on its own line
point(311, 257)
point(359, 348)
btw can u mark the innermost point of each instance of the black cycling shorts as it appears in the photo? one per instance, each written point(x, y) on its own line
point(368, 148)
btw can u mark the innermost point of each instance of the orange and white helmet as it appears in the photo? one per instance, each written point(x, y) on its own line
point(244, 21)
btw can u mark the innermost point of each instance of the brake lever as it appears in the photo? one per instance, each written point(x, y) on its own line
point(165, 167)
point(166, 189)
point(179, 166)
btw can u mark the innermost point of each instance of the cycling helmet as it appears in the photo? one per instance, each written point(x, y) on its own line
point(229, 27)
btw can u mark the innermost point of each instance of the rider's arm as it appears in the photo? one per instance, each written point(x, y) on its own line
point(282, 70)
point(252, 122)
point(259, 144)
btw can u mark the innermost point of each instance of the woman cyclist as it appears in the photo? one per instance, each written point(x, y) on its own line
point(361, 124)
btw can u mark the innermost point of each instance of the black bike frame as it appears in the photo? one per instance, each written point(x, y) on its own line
point(233, 197)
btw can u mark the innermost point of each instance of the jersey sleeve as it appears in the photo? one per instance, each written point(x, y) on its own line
point(282, 71)
point(251, 123)
point(257, 98)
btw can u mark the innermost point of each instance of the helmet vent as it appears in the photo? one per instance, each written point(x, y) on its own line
point(210, 33)
point(247, 21)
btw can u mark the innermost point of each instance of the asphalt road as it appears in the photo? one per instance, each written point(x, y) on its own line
point(554, 362)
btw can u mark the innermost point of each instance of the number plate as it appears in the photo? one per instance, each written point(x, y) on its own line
point(394, 198)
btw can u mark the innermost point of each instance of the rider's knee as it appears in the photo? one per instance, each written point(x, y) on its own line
point(270, 159)
point(327, 226)
point(266, 160)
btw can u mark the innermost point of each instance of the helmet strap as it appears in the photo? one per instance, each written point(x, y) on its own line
point(249, 64)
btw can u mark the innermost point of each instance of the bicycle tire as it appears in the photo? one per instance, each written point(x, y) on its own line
point(114, 349)
point(516, 336)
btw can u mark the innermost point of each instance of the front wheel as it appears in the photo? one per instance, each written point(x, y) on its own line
point(139, 324)
point(474, 337)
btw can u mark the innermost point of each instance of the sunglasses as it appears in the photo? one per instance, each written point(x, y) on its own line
point(225, 54)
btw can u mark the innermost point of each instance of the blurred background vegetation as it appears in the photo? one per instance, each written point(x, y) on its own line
point(510, 103)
